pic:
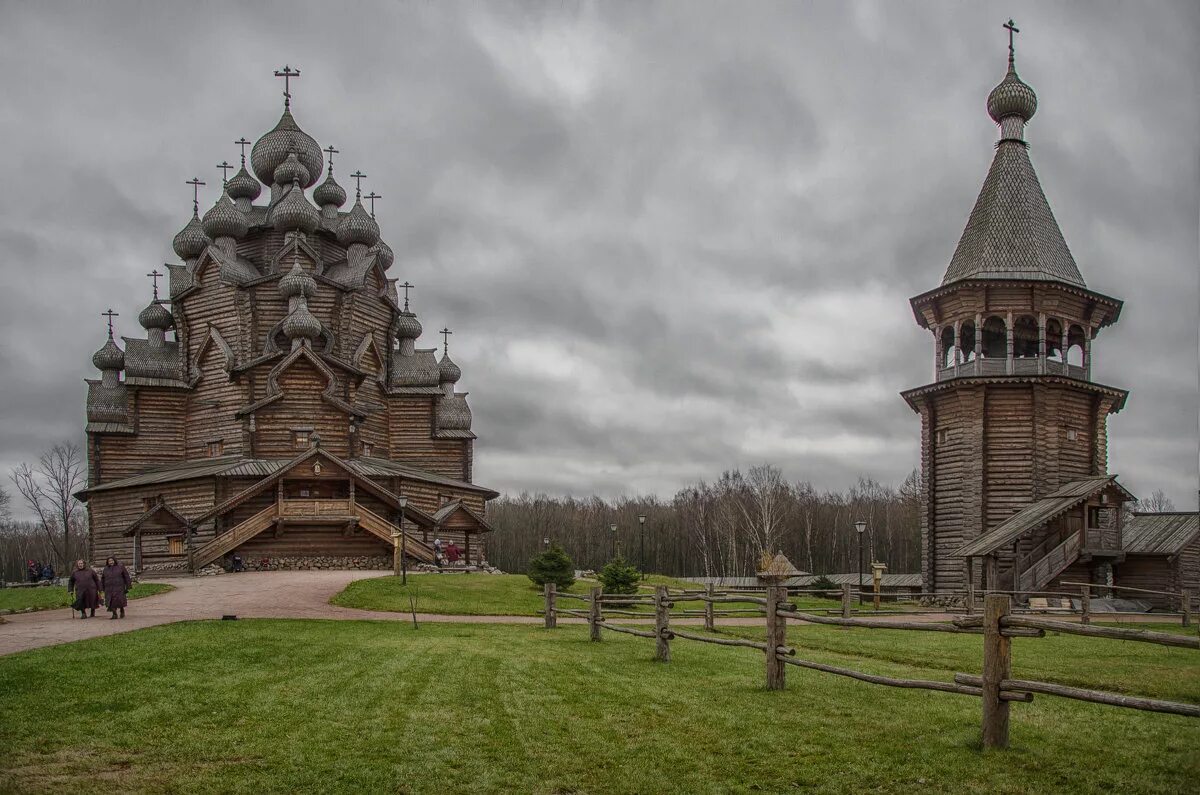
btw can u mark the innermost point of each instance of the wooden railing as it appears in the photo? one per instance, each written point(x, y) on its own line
point(306, 508)
point(235, 536)
point(383, 529)
point(996, 687)
point(1052, 564)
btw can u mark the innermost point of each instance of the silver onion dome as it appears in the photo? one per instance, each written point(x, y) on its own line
point(243, 186)
point(155, 315)
point(358, 227)
point(329, 192)
point(407, 326)
point(191, 240)
point(448, 371)
point(292, 170)
point(294, 211)
point(297, 282)
point(301, 323)
point(383, 254)
point(1012, 97)
point(272, 149)
point(225, 220)
point(109, 357)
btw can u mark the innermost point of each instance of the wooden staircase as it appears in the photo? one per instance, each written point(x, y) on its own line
point(382, 528)
point(228, 541)
point(1052, 564)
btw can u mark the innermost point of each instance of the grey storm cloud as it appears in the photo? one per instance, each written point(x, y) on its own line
point(671, 238)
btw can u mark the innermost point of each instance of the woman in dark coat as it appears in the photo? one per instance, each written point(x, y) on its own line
point(116, 585)
point(85, 584)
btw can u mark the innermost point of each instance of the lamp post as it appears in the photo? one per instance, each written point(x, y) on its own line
point(642, 544)
point(403, 501)
point(860, 526)
point(615, 548)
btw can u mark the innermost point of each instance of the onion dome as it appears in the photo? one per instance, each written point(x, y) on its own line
point(294, 211)
point(155, 315)
point(225, 220)
point(292, 170)
point(407, 326)
point(1012, 97)
point(110, 357)
point(383, 254)
point(191, 240)
point(301, 323)
point(243, 186)
point(297, 282)
point(358, 227)
point(272, 149)
point(329, 192)
point(448, 371)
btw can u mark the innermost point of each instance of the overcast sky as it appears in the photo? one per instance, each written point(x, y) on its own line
point(671, 238)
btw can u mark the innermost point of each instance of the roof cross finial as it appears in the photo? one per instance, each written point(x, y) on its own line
point(358, 177)
point(195, 183)
point(445, 332)
point(110, 315)
point(371, 197)
point(224, 166)
point(287, 73)
point(154, 276)
point(407, 286)
point(1011, 27)
point(243, 143)
point(331, 152)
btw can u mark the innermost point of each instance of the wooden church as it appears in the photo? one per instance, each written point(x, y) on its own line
point(278, 407)
point(1014, 429)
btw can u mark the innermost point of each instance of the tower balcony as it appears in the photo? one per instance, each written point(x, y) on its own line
point(1015, 366)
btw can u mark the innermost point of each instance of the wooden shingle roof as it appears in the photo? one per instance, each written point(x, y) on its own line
point(1160, 533)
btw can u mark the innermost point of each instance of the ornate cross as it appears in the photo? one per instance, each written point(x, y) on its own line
point(154, 276)
point(407, 286)
point(195, 183)
point(287, 73)
point(331, 151)
point(445, 332)
point(243, 143)
point(371, 197)
point(1011, 27)
point(224, 166)
point(110, 315)
point(358, 177)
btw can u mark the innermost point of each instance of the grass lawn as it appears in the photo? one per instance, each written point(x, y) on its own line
point(48, 597)
point(333, 706)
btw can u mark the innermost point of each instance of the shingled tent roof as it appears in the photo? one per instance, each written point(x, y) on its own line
point(779, 569)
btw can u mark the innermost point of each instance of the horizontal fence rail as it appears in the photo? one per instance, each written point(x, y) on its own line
point(998, 625)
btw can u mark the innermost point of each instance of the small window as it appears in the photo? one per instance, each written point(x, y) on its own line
point(147, 503)
point(1072, 435)
point(216, 448)
point(943, 435)
point(366, 448)
point(1093, 516)
point(175, 545)
point(300, 438)
point(305, 493)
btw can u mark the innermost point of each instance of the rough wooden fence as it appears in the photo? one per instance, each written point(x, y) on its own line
point(998, 625)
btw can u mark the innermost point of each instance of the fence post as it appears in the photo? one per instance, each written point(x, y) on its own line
point(1085, 605)
point(970, 596)
point(997, 666)
point(710, 619)
point(662, 613)
point(1185, 605)
point(594, 614)
point(551, 606)
point(776, 637)
point(845, 600)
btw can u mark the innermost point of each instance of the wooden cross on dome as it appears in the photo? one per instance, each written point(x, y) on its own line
point(358, 177)
point(287, 73)
point(224, 166)
point(371, 197)
point(1011, 27)
point(407, 286)
point(243, 143)
point(195, 183)
point(110, 315)
point(445, 332)
point(331, 152)
point(154, 277)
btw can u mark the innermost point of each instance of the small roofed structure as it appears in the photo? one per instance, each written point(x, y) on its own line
point(777, 570)
point(1162, 553)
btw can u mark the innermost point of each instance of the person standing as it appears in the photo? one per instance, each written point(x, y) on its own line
point(116, 582)
point(85, 584)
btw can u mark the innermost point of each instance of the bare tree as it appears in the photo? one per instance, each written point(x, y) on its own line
point(1158, 502)
point(48, 489)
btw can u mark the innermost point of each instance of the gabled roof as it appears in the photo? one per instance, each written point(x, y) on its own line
point(275, 391)
point(1160, 533)
point(1040, 512)
point(453, 507)
point(160, 507)
point(382, 467)
point(1011, 233)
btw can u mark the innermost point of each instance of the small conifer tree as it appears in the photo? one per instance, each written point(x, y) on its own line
point(554, 566)
point(618, 576)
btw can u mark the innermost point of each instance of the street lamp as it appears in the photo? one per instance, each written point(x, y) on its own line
point(861, 527)
point(613, 528)
point(402, 501)
point(642, 544)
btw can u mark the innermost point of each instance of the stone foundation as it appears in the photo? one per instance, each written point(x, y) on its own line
point(373, 562)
